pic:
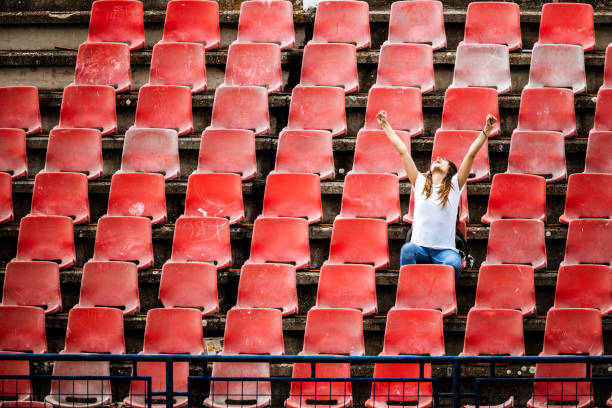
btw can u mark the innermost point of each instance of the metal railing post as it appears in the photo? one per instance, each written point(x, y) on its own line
point(457, 384)
point(169, 383)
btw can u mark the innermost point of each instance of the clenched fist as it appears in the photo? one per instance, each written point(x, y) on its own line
point(491, 121)
point(381, 116)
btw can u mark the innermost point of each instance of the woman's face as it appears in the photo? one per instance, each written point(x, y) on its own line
point(440, 164)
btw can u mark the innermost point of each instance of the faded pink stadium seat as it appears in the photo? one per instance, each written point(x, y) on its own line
point(178, 64)
point(427, 287)
point(569, 63)
point(228, 151)
point(558, 393)
point(516, 196)
point(406, 65)
point(293, 195)
point(550, 109)
point(119, 21)
point(241, 107)
point(305, 151)
point(603, 111)
point(254, 65)
point(454, 145)
point(46, 238)
point(403, 105)
point(19, 108)
point(246, 394)
point(374, 153)
point(110, 284)
point(485, 65)
point(567, 23)
point(507, 27)
point(6, 198)
point(342, 21)
point(89, 106)
point(467, 109)
point(75, 150)
point(194, 21)
point(61, 194)
point(151, 151)
point(538, 152)
point(371, 196)
point(138, 195)
point(334, 331)
point(13, 159)
point(588, 196)
point(189, 284)
point(389, 394)
point(506, 287)
point(317, 108)
point(280, 240)
point(268, 285)
point(588, 242)
point(124, 239)
point(103, 64)
point(417, 22)
point(330, 65)
point(464, 213)
point(164, 106)
point(32, 284)
point(215, 195)
point(266, 22)
point(584, 286)
point(335, 394)
point(573, 331)
point(599, 153)
point(360, 241)
point(347, 287)
point(516, 242)
point(607, 81)
point(202, 239)
point(494, 332)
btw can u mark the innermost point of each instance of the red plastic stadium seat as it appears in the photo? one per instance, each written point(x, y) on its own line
point(389, 394)
point(603, 111)
point(75, 150)
point(13, 159)
point(584, 286)
point(157, 371)
point(266, 22)
point(550, 109)
point(202, 239)
point(573, 331)
point(334, 331)
point(599, 153)
point(89, 106)
point(268, 286)
point(103, 64)
point(164, 106)
point(569, 63)
point(558, 393)
point(194, 21)
point(454, 145)
point(342, 21)
point(506, 287)
point(178, 64)
point(406, 65)
point(110, 284)
point(427, 287)
point(305, 151)
point(485, 65)
point(516, 196)
point(189, 284)
point(280, 240)
point(317, 108)
point(467, 109)
point(228, 151)
point(25, 404)
point(254, 65)
point(464, 213)
point(403, 105)
point(361, 241)
point(538, 152)
point(138, 195)
point(117, 21)
point(348, 287)
point(588, 196)
point(6, 198)
point(151, 151)
point(417, 22)
point(22, 328)
point(19, 108)
point(32, 284)
point(332, 394)
point(253, 331)
point(246, 394)
point(516, 242)
point(61, 194)
point(46, 238)
point(215, 195)
point(494, 332)
point(241, 107)
point(567, 23)
point(293, 195)
point(607, 81)
point(124, 239)
point(588, 242)
point(507, 27)
point(330, 65)
point(371, 196)
point(374, 153)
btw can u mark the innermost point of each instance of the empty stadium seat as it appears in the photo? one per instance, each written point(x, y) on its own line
point(6, 198)
point(484, 65)
point(507, 27)
point(215, 195)
point(202, 239)
point(361, 241)
point(538, 152)
point(570, 72)
point(371, 196)
point(494, 332)
point(266, 22)
point(293, 195)
point(46, 238)
point(317, 108)
point(178, 64)
point(334, 331)
point(584, 286)
point(403, 106)
point(516, 242)
point(280, 240)
point(588, 242)
point(342, 21)
point(138, 195)
point(506, 287)
point(314, 394)
point(374, 153)
point(254, 65)
point(347, 286)
point(567, 23)
point(151, 151)
point(119, 21)
point(573, 331)
point(598, 153)
point(268, 286)
point(164, 106)
point(330, 65)
point(75, 150)
point(103, 64)
point(305, 151)
point(550, 109)
point(13, 159)
point(61, 194)
point(89, 106)
point(516, 196)
point(588, 196)
point(189, 284)
point(32, 284)
point(467, 109)
point(228, 151)
point(603, 111)
point(607, 80)
point(464, 213)
point(454, 145)
point(389, 394)
point(110, 284)
point(19, 108)
point(192, 21)
point(417, 22)
point(246, 394)
point(406, 65)
point(253, 331)
point(427, 287)
point(241, 107)
point(124, 239)
point(557, 393)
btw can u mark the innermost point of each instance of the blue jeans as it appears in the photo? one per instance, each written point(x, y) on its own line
point(416, 254)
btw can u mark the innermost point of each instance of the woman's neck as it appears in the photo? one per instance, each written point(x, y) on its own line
point(437, 177)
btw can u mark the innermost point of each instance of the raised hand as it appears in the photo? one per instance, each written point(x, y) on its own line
point(491, 120)
point(381, 116)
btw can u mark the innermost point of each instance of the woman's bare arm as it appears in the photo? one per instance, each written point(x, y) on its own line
point(399, 145)
point(468, 160)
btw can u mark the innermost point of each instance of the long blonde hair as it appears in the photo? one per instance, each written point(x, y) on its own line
point(446, 184)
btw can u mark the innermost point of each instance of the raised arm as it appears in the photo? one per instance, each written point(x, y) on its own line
point(466, 165)
point(399, 145)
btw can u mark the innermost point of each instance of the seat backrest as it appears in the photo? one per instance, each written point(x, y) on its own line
point(151, 151)
point(32, 284)
point(110, 284)
point(516, 242)
point(89, 106)
point(494, 332)
point(13, 159)
point(254, 65)
point(293, 195)
point(584, 286)
point(598, 153)
point(342, 21)
point(139, 195)
point(75, 150)
point(95, 330)
point(347, 286)
point(46, 238)
point(588, 241)
point(467, 109)
point(334, 331)
point(22, 328)
point(215, 195)
point(192, 21)
point(173, 331)
point(406, 65)
point(417, 22)
point(178, 64)
point(228, 151)
point(603, 110)
point(486, 65)
point(567, 23)
point(19, 108)
point(588, 196)
point(305, 151)
point(266, 22)
point(549, 109)
point(607, 81)
point(371, 196)
point(403, 107)
point(241, 107)
point(253, 331)
point(573, 331)
point(374, 153)
point(103, 64)
point(124, 238)
point(317, 108)
point(570, 62)
point(414, 331)
point(506, 287)
point(550, 393)
point(276, 281)
point(6, 198)
point(280, 240)
point(330, 65)
point(516, 196)
point(61, 194)
point(427, 287)
point(359, 240)
point(166, 107)
point(538, 152)
point(120, 21)
point(507, 27)
point(178, 280)
point(202, 239)
point(454, 145)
